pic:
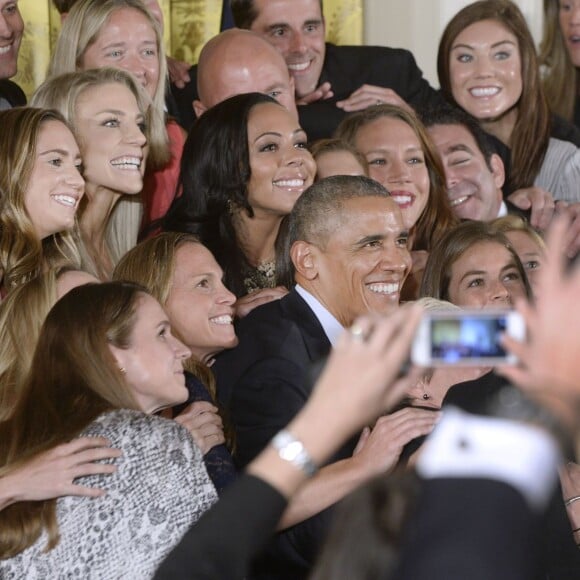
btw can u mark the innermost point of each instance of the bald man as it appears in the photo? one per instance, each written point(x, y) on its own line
point(235, 62)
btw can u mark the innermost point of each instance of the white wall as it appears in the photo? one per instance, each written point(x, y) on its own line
point(417, 26)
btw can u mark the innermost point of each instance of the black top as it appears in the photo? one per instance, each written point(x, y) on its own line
point(12, 93)
point(560, 558)
point(218, 460)
point(220, 545)
point(263, 383)
point(347, 68)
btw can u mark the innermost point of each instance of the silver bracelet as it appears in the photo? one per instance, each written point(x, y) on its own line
point(292, 450)
point(571, 500)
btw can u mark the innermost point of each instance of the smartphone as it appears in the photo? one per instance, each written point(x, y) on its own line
point(465, 337)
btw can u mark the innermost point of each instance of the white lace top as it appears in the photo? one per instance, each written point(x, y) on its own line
point(160, 488)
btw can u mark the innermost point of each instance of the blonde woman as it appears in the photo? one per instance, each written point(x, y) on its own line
point(184, 277)
point(125, 34)
point(337, 157)
point(527, 243)
point(40, 191)
point(52, 473)
point(110, 115)
point(21, 317)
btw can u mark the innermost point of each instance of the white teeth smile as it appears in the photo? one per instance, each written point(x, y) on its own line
point(299, 66)
point(130, 163)
point(384, 288)
point(225, 319)
point(5, 49)
point(484, 91)
point(402, 199)
point(459, 200)
point(67, 200)
point(289, 183)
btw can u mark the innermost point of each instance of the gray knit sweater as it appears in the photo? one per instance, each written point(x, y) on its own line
point(160, 489)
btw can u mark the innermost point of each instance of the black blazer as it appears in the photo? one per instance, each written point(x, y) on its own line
point(263, 383)
point(347, 68)
point(12, 93)
point(558, 558)
point(462, 528)
point(265, 380)
point(474, 529)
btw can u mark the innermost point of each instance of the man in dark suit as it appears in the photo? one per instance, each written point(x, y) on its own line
point(348, 247)
point(330, 80)
point(11, 30)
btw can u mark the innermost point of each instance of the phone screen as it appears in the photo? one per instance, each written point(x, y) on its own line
point(456, 339)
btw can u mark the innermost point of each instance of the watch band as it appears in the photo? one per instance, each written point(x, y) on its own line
point(292, 450)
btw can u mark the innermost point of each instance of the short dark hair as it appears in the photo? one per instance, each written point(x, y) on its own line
point(244, 12)
point(313, 217)
point(455, 116)
point(63, 6)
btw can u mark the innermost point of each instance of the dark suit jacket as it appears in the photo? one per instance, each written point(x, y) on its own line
point(220, 545)
point(474, 529)
point(558, 556)
point(347, 68)
point(12, 93)
point(263, 383)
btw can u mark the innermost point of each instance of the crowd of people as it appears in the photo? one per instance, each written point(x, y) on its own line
point(211, 278)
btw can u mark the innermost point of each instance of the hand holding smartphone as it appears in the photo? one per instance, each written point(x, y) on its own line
point(466, 337)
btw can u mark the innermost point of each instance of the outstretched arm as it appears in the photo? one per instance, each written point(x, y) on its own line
point(333, 413)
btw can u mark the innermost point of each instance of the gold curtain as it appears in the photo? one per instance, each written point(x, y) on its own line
point(188, 25)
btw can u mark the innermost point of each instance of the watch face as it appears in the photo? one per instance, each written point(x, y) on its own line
point(291, 451)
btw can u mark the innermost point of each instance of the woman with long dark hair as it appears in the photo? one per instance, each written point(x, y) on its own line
point(244, 165)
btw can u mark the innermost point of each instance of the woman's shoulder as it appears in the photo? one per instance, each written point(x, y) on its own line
point(560, 171)
point(559, 154)
point(564, 130)
point(136, 432)
point(129, 421)
point(152, 447)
